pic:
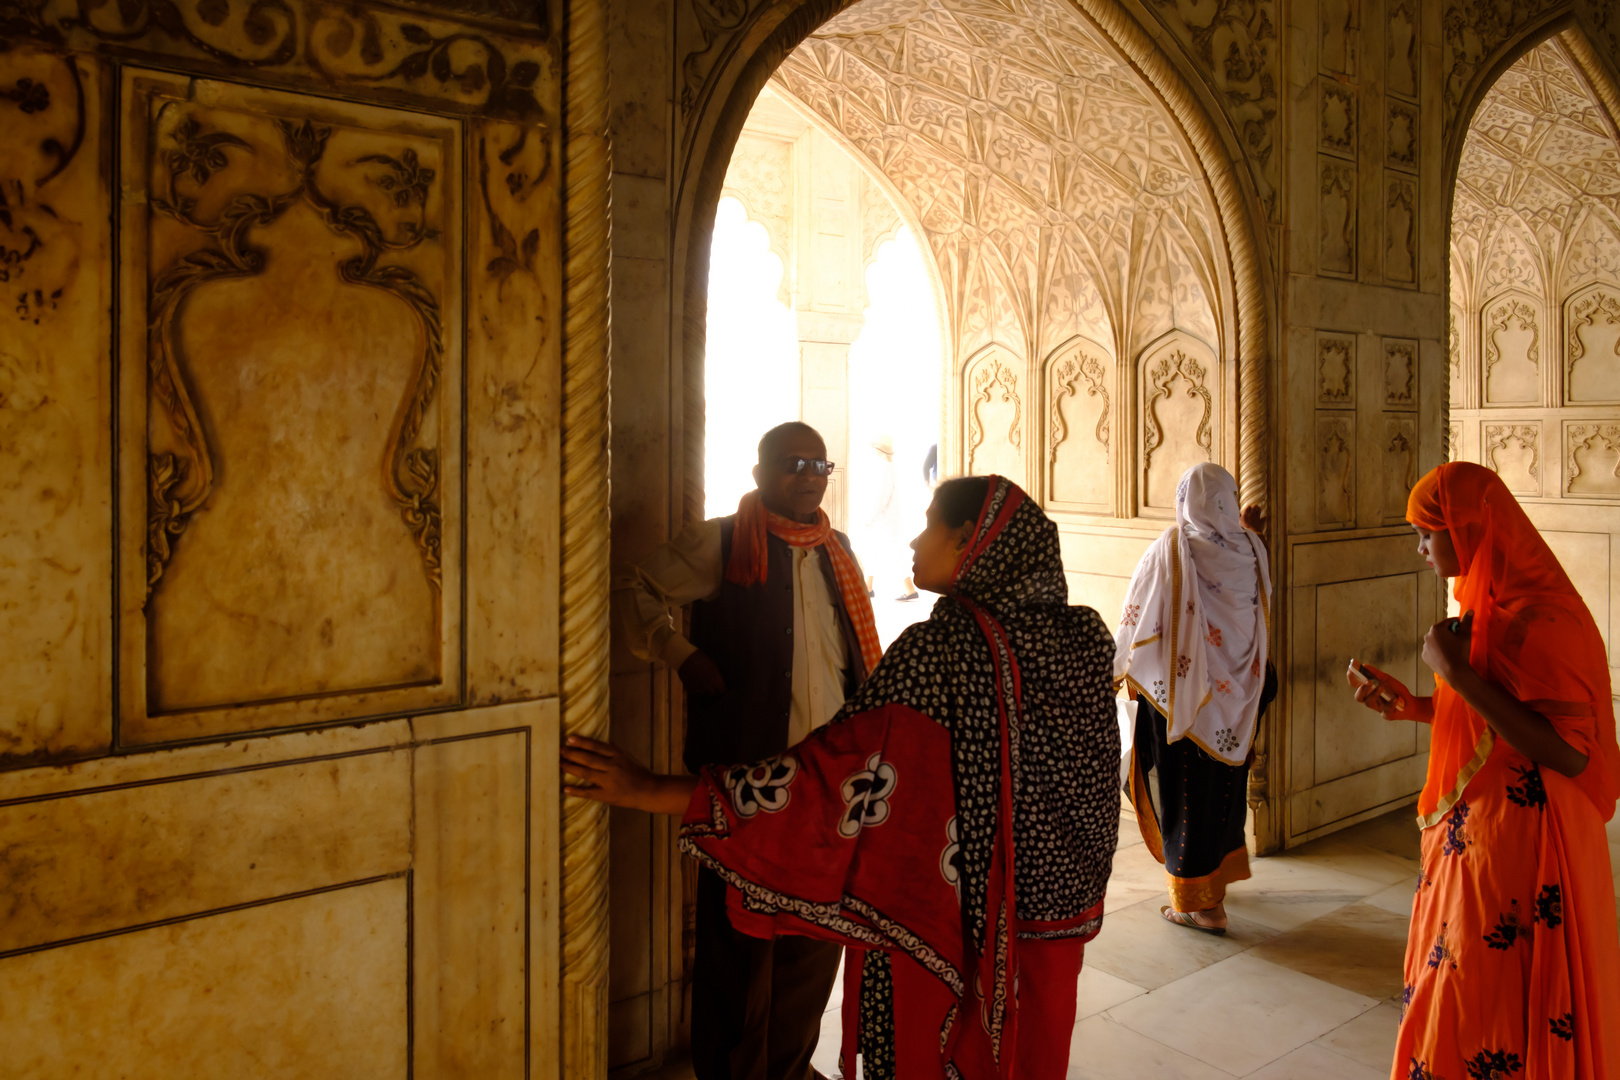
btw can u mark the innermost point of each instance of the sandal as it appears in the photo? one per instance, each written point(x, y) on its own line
point(1185, 918)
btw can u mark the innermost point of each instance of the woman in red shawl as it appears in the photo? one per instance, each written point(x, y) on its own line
point(1512, 963)
point(954, 826)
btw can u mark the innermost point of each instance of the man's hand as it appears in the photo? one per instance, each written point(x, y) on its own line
point(608, 775)
point(701, 677)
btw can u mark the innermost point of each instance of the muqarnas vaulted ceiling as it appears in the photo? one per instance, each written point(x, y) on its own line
point(1055, 191)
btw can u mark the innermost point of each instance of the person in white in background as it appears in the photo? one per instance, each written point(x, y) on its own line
point(882, 550)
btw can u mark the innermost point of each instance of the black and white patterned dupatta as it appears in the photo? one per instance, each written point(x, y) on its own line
point(1004, 651)
point(965, 800)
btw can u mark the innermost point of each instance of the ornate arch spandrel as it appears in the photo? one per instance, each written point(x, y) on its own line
point(587, 178)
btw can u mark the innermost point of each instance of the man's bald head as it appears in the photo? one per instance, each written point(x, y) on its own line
point(771, 443)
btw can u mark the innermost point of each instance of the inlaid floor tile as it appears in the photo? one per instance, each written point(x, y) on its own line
point(1359, 947)
point(1314, 1062)
point(1100, 991)
point(1368, 1039)
point(1104, 1050)
point(1139, 946)
point(1242, 1013)
point(1289, 890)
point(1396, 898)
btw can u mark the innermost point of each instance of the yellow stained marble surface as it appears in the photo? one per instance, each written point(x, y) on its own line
point(312, 986)
point(131, 855)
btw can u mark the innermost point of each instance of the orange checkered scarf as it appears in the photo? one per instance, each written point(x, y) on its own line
point(747, 565)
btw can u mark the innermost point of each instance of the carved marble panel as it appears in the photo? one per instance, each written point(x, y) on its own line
point(1236, 49)
point(1336, 217)
point(1400, 373)
point(993, 410)
point(1339, 50)
point(1513, 451)
point(1336, 118)
point(1335, 370)
point(1400, 135)
point(1400, 460)
point(1592, 459)
point(1400, 229)
point(55, 407)
point(292, 440)
point(1079, 425)
point(1510, 331)
point(1401, 34)
point(1335, 470)
point(1181, 393)
point(1454, 434)
point(1592, 336)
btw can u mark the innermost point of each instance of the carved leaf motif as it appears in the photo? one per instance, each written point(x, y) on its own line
point(1586, 437)
point(1598, 307)
point(1527, 436)
point(1066, 381)
point(1162, 377)
point(179, 483)
point(1335, 370)
point(1335, 471)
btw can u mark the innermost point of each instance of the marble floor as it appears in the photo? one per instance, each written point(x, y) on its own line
point(1305, 984)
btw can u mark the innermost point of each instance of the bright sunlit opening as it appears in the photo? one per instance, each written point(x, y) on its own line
point(751, 366)
point(751, 380)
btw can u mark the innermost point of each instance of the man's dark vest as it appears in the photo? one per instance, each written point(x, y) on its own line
point(748, 633)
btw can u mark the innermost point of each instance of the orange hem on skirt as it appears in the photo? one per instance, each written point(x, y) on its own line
point(1199, 893)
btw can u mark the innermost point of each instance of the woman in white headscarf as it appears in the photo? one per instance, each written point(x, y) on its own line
point(1192, 647)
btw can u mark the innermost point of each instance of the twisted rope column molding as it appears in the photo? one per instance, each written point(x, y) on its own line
point(587, 176)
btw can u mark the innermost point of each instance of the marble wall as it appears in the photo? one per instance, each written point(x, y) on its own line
point(280, 469)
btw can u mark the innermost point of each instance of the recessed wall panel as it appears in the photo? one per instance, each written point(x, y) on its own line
point(293, 421)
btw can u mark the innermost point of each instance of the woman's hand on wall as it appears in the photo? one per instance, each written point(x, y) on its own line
point(606, 774)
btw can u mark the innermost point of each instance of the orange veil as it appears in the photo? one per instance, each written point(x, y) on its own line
point(1532, 635)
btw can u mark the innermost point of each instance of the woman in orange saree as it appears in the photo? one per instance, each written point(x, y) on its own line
point(1512, 961)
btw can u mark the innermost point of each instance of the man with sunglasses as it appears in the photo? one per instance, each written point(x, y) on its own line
point(781, 632)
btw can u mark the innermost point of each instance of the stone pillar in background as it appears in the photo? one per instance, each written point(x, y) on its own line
point(829, 297)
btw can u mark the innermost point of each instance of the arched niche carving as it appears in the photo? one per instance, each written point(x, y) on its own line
point(1592, 345)
point(1511, 337)
point(1078, 410)
point(761, 178)
point(1182, 396)
point(993, 414)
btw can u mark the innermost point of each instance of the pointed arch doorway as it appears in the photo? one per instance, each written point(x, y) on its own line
point(1102, 292)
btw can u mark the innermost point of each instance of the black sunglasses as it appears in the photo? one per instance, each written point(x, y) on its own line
point(819, 466)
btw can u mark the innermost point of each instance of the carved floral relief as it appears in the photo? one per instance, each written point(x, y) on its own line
point(1180, 396)
point(445, 62)
point(302, 354)
point(1513, 451)
point(1592, 459)
point(1336, 370)
point(1510, 329)
point(1336, 218)
point(1401, 124)
point(1400, 465)
point(994, 411)
point(1079, 425)
point(1592, 337)
point(1336, 119)
point(1335, 470)
point(1400, 373)
point(1400, 229)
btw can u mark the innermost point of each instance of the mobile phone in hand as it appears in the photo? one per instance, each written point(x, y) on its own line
point(1360, 675)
